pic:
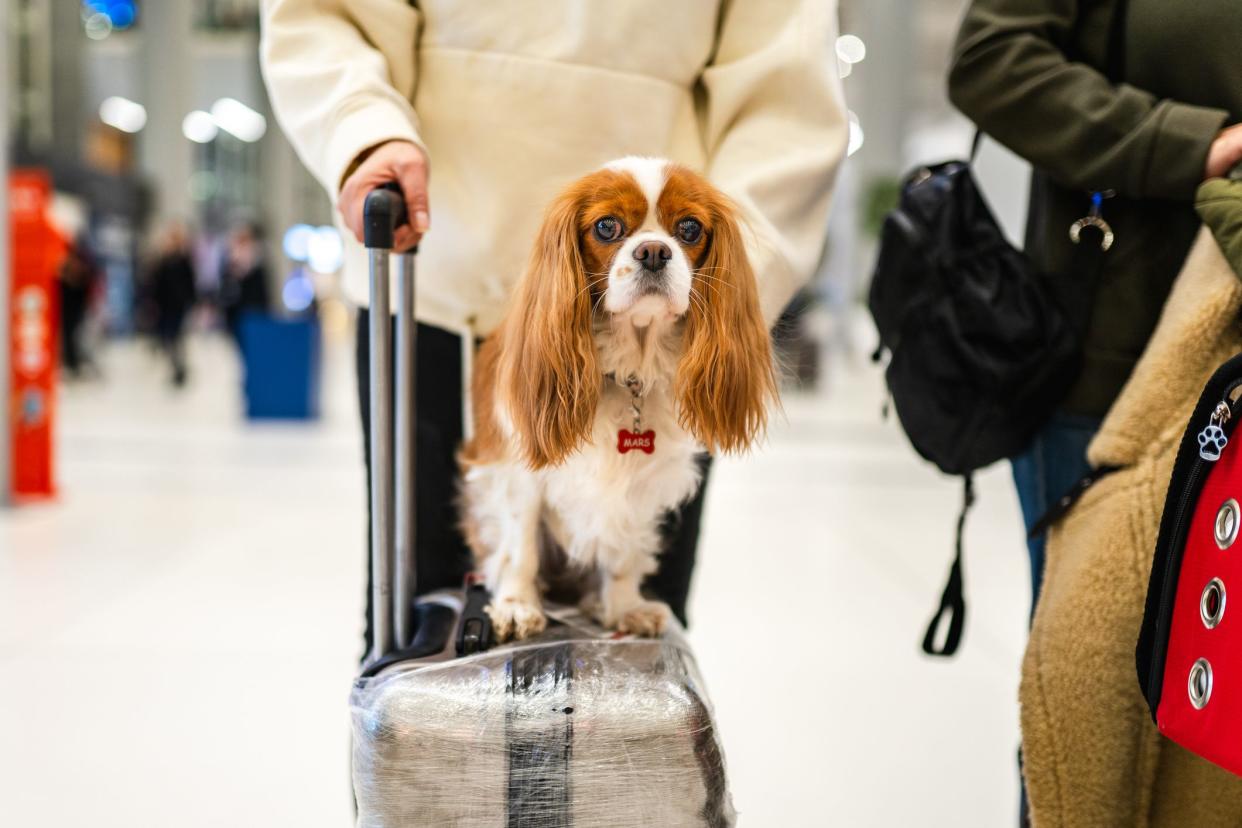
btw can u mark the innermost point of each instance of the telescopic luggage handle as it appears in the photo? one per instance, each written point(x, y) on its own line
point(392, 467)
point(382, 213)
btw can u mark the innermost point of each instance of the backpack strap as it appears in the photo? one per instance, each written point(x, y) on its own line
point(952, 601)
point(1066, 502)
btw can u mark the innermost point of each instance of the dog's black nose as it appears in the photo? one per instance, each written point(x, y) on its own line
point(653, 255)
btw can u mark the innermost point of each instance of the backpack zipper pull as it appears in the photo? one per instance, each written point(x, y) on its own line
point(1212, 439)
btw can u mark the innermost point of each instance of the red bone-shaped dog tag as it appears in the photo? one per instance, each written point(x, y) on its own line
point(633, 441)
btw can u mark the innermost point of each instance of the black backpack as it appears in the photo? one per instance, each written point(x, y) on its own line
point(982, 347)
point(980, 351)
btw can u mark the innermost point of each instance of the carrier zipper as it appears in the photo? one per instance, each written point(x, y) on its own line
point(1168, 583)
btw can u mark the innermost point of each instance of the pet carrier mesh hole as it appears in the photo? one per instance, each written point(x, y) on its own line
point(1227, 521)
point(1212, 603)
point(1200, 683)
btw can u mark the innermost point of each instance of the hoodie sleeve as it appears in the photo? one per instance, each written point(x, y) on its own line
point(341, 75)
point(775, 131)
point(1011, 77)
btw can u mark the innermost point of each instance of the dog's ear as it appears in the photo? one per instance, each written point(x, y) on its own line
point(726, 379)
point(549, 372)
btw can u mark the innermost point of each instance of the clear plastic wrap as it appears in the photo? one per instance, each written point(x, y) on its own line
point(575, 728)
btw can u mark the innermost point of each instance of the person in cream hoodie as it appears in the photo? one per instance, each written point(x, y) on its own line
point(483, 111)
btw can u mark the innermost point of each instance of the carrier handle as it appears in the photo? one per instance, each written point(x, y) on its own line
point(392, 466)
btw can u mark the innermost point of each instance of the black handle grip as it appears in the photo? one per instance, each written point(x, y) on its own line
point(382, 213)
point(474, 630)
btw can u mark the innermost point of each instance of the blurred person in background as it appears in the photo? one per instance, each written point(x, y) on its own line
point(173, 295)
point(243, 281)
point(79, 280)
point(509, 106)
point(1137, 100)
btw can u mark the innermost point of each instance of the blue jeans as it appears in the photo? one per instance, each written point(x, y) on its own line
point(1054, 462)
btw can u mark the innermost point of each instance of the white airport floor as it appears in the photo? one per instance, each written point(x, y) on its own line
point(178, 630)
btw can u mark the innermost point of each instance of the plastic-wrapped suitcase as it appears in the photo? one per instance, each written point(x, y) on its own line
point(574, 727)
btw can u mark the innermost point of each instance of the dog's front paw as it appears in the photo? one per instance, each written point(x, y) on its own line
point(514, 618)
point(648, 619)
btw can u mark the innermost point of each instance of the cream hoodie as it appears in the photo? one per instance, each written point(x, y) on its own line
point(513, 100)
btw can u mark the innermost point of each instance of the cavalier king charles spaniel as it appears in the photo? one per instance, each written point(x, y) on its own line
point(633, 343)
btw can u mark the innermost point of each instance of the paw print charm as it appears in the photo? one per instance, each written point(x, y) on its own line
point(1212, 442)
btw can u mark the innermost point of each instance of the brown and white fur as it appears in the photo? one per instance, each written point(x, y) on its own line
point(677, 311)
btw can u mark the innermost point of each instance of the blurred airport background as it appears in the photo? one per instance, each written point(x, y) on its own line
point(181, 556)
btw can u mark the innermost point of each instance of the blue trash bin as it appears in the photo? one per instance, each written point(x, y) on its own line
point(282, 362)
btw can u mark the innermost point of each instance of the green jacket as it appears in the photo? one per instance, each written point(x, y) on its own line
point(1219, 204)
point(1029, 73)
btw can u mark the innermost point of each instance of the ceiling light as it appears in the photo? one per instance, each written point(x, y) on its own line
point(297, 242)
point(325, 251)
point(98, 26)
point(851, 49)
point(856, 135)
point(122, 113)
point(238, 120)
point(199, 127)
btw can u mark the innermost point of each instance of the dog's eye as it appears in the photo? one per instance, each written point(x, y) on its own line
point(608, 229)
point(689, 230)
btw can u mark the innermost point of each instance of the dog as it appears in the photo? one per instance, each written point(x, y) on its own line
point(634, 342)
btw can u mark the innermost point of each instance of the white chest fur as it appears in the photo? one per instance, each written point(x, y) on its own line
point(603, 506)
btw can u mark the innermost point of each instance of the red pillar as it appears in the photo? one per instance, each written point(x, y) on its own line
point(34, 325)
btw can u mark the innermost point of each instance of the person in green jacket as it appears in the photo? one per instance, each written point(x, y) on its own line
point(1134, 99)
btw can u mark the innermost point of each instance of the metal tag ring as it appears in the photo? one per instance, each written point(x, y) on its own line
point(1100, 224)
point(1212, 603)
point(1225, 528)
point(1199, 685)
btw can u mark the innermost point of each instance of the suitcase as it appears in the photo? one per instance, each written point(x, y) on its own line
point(574, 727)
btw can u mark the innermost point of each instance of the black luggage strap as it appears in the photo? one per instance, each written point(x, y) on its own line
point(952, 600)
point(538, 790)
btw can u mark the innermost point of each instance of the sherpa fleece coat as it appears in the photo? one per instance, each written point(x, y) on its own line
point(1093, 757)
point(512, 101)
